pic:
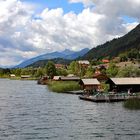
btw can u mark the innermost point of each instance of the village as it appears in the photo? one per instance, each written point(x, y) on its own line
point(107, 88)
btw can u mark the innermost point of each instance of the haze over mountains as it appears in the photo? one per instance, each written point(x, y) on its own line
point(66, 54)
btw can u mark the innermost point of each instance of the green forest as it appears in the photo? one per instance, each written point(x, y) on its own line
point(116, 46)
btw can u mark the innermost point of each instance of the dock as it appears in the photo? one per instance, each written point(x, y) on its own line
point(104, 98)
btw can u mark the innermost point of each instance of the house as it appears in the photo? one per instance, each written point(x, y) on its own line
point(124, 84)
point(60, 66)
point(84, 63)
point(90, 84)
point(25, 76)
point(12, 75)
point(70, 75)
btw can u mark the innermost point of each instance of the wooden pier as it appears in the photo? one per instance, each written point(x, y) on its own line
point(104, 97)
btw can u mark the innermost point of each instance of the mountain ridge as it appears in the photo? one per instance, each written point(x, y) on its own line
point(66, 54)
point(116, 46)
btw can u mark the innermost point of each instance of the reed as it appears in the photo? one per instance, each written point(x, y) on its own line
point(63, 86)
point(133, 103)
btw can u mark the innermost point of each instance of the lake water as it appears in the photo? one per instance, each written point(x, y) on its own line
point(31, 112)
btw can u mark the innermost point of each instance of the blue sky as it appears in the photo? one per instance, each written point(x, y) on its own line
point(29, 28)
point(53, 4)
point(128, 19)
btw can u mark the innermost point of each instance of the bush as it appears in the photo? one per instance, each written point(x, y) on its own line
point(63, 86)
point(133, 103)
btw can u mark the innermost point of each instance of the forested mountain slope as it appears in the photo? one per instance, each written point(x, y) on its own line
point(116, 46)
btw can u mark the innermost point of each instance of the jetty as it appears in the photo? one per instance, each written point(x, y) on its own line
point(105, 97)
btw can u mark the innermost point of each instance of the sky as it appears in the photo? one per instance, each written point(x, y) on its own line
point(29, 28)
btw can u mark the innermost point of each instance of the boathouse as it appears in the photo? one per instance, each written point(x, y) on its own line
point(66, 78)
point(12, 75)
point(90, 84)
point(124, 84)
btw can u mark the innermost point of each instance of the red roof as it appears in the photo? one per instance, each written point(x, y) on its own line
point(59, 65)
point(105, 60)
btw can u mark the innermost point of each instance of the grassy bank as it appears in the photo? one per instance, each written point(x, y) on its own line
point(133, 103)
point(62, 86)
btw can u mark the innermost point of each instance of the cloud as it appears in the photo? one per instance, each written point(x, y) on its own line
point(25, 33)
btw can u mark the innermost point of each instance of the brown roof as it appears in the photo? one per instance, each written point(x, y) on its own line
point(126, 81)
point(92, 81)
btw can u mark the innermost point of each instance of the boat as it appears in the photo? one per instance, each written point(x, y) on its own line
point(104, 97)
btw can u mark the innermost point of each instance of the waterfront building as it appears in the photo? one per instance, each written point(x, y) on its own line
point(124, 84)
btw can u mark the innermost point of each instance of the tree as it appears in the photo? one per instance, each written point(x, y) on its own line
point(123, 57)
point(25, 71)
point(129, 71)
point(90, 71)
point(74, 68)
point(62, 71)
point(112, 70)
point(39, 72)
point(18, 72)
point(50, 69)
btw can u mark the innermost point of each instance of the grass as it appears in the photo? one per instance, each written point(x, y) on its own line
point(133, 103)
point(63, 86)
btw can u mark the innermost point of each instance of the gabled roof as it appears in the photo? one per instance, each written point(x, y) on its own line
point(84, 62)
point(56, 77)
point(25, 76)
point(126, 81)
point(92, 81)
point(12, 75)
point(66, 78)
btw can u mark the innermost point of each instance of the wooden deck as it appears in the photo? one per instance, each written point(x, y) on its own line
point(104, 98)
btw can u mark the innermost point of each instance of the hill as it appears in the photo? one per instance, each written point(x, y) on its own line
point(42, 63)
point(66, 54)
point(113, 48)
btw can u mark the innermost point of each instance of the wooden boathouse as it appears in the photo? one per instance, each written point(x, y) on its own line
point(90, 85)
point(124, 84)
point(66, 78)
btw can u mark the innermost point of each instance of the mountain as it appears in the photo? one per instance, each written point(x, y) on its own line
point(113, 48)
point(42, 63)
point(77, 54)
point(66, 54)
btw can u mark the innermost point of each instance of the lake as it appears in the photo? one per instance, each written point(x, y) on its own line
point(31, 112)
